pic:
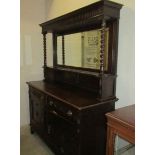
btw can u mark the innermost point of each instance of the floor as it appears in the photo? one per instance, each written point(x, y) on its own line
point(31, 144)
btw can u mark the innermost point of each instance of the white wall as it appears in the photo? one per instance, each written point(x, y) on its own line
point(31, 56)
point(126, 54)
point(34, 12)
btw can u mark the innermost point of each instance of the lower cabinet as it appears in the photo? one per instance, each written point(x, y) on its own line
point(52, 124)
point(68, 130)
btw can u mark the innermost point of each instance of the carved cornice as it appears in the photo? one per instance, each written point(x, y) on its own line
point(87, 16)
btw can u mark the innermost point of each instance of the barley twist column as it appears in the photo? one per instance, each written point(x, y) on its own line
point(44, 45)
point(101, 93)
point(63, 50)
point(102, 47)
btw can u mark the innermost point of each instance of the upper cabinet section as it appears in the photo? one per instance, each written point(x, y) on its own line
point(86, 18)
point(86, 38)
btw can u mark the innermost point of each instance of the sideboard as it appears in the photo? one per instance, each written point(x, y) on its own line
point(67, 107)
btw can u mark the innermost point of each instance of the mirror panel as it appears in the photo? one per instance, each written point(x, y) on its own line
point(83, 49)
point(73, 48)
point(91, 49)
point(49, 47)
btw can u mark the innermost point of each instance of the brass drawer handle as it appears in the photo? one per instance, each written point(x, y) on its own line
point(51, 103)
point(69, 113)
point(54, 112)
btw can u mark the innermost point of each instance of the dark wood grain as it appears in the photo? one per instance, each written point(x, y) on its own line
point(70, 121)
point(44, 45)
point(75, 97)
point(86, 80)
point(83, 19)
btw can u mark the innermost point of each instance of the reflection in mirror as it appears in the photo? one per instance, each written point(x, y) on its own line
point(49, 49)
point(83, 49)
point(73, 49)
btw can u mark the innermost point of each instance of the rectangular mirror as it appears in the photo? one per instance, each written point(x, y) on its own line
point(82, 49)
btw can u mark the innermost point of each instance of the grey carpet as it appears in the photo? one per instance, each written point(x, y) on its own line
point(31, 144)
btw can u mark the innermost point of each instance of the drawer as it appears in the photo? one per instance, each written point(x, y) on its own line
point(36, 94)
point(62, 110)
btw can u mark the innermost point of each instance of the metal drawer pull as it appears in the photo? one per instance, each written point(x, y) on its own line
point(51, 103)
point(69, 113)
point(54, 112)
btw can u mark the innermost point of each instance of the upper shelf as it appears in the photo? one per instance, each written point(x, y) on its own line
point(88, 17)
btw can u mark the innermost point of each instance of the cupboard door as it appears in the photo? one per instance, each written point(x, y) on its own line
point(64, 135)
point(37, 100)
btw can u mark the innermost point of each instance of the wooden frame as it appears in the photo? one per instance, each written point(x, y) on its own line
point(85, 19)
point(120, 122)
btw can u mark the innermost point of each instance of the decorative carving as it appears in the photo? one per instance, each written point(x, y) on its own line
point(102, 47)
point(44, 44)
point(102, 59)
point(63, 50)
point(83, 17)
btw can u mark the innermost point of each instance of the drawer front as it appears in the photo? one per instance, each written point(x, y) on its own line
point(36, 94)
point(63, 110)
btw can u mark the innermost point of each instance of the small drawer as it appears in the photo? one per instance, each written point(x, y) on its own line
point(36, 94)
point(61, 109)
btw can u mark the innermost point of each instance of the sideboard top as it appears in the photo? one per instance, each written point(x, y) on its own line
point(77, 98)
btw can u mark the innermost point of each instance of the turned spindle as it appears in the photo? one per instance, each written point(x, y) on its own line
point(44, 45)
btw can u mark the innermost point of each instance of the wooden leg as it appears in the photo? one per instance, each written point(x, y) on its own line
point(110, 141)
